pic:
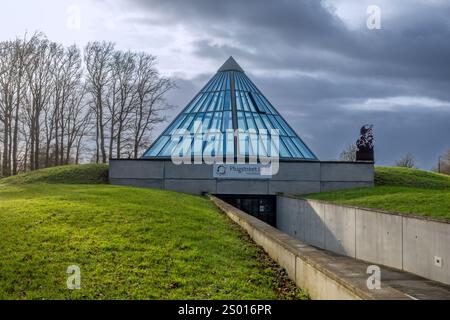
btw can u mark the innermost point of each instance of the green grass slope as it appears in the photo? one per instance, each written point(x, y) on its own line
point(399, 190)
point(128, 242)
point(70, 174)
point(405, 177)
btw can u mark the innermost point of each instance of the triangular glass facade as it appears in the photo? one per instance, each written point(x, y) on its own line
point(230, 101)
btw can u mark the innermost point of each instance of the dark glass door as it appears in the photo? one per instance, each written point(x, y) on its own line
point(261, 207)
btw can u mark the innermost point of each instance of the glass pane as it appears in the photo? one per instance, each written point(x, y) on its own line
point(228, 84)
point(284, 153)
point(167, 150)
point(206, 103)
point(261, 106)
point(187, 122)
point(267, 122)
point(259, 124)
point(248, 85)
point(276, 125)
point(228, 144)
point(227, 121)
point(210, 84)
point(227, 102)
point(239, 105)
point(156, 148)
point(252, 106)
point(303, 149)
point(218, 83)
point(207, 121)
point(237, 82)
point(292, 148)
point(216, 121)
point(220, 101)
point(200, 103)
point(285, 126)
point(193, 103)
point(213, 101)
point(268, 105)
point(175, 123)
point(242, 124)
point(250, 121)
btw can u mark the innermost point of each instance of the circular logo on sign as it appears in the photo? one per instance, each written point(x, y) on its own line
point(221, 170)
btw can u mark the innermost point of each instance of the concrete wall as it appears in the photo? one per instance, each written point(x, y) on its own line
point(404, 242)
point(293, 177)
point(322, 274)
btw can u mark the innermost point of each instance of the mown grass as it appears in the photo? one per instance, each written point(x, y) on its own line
point(129, 243)
point(400, 190)
point(70, 174)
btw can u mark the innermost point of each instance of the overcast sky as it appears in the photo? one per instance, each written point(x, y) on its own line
point(316, 61)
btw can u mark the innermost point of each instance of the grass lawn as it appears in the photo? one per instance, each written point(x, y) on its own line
point(130, 243)
point(399, 190)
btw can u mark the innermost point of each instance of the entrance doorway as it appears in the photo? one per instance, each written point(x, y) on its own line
point(262, 207)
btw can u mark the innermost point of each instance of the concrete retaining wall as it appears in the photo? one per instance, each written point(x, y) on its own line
point(293, 177)
point(322, 274)
point(403, 242)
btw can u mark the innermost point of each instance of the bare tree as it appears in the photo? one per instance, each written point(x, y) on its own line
point(98, 57)
point(349, 153)
point(39, 79)
point(443, 165)
point(407, 161)
point(23, 51)
point(7, 93)
point(151, 88)
point(123, 97)
point(52, 109)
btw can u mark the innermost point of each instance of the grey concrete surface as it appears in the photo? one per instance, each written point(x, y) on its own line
point(191, 186)
point(293, 177)
point(379, 238)
point(423, 242)
point(338, 185)
point(195, 171)
point(399, 241)
point(345, 172)
point(242, 187)
point(133, 169)
point(340, 230)
point(299, 171)
point(298, 187)
point(314, 224)
point(326, 275)
point(142, 183)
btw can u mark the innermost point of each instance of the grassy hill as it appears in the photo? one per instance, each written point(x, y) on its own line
point(128, 242)
point(71, 174)
point(400, 190)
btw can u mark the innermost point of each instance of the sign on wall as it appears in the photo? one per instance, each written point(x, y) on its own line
point(242, 171)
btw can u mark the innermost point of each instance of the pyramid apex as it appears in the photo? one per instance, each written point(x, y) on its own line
point(230, 65)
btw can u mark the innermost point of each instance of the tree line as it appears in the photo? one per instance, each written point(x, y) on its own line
point(62, 105)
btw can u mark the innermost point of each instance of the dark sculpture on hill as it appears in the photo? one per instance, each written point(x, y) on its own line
point(364, 144)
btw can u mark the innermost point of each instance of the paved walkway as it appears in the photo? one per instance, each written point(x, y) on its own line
point(395, 284)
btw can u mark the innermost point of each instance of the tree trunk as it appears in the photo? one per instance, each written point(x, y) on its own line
point(102, 130)
point(5, 172)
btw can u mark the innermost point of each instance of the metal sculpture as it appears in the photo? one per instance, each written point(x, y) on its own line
point(364, 144)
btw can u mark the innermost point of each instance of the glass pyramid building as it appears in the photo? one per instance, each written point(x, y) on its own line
point(230, 101)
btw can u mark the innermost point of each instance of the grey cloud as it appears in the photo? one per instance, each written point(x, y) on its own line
point(319, 65)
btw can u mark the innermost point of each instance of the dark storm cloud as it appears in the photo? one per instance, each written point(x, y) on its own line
point(313, 67)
